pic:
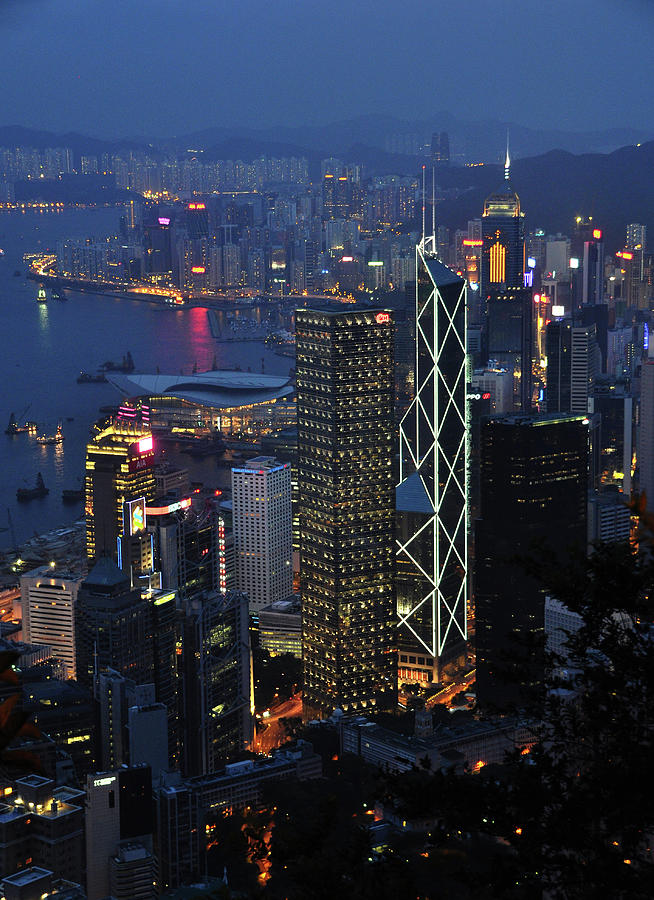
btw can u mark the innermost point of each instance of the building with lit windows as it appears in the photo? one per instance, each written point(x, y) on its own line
point(48, 603)
point(280, 627)
point(573, 363)
point(509, 326)
point(218, 694)
point(503, 250)
point(113, 626)
point(345, 398)
point(119, 472)
point(534, 477)
point(432, 493)
point(262, 523)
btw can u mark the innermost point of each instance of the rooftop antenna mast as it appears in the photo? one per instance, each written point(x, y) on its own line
point(433, 207)
point(507, 160)
point(423, 206)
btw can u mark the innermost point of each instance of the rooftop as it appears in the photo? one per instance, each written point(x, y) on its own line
point(218, 390)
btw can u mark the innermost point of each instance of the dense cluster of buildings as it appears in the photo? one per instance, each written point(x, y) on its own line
point(500, 405)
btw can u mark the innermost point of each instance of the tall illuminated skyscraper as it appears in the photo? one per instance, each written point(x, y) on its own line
point(431, 497)
point(345, 474)
point(119, 483)
point(503, 252)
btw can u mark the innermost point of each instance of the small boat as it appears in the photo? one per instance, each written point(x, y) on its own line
point(32, 427)
point(39, 490)
point(2, 252)
point(125, 365)
point(56, 438)
point(41, 296)
point(13, 427)
point(72, 495)
point(85, 378)
point(57, 294)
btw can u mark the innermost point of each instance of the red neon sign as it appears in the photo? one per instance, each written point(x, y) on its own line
point(197, 206)
point(382, 318)
point(597, 234)
point(172, 507)
point(625, 254)
point(145, 445)
point(468, 242)
point(198, 270)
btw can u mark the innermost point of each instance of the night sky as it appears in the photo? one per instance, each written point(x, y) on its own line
point(116, 68)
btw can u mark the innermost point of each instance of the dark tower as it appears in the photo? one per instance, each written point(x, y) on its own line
point(345, 474)
point(533, 504)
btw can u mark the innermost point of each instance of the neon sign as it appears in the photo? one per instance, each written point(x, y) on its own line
point(145, 445)
point(382, 318)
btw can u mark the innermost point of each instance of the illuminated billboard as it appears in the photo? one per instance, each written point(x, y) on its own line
point(134, 516)
point(382, 318)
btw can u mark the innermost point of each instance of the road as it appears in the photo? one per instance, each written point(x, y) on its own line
point(444, 696)
point(274, 735)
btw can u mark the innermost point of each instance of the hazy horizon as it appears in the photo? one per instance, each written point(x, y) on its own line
point(163, 68)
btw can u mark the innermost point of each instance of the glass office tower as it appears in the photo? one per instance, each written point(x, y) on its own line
point(346, 498)
point(431, 497)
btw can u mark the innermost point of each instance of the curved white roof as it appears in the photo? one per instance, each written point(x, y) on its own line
point(219, 389)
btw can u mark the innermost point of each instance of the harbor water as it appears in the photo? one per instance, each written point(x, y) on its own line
point(46, 345)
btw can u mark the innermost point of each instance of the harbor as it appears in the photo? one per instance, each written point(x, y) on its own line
point(45, 358)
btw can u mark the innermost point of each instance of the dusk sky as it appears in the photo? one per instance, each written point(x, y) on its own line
point(163, 67)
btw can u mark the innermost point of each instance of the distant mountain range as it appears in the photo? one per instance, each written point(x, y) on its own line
point(616, 188)
point(469, 141)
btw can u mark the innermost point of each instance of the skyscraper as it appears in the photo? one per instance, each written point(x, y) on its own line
point(646, 435)
point(432, 493)
point(509, 323)
point(534, 477)
point(440, 148)
point(217, 681)
point(48, 602)
point(345, 446)
point(573, 363)
point(113, 626)
point(503, 251)
point(119, 474)
point(261, 519)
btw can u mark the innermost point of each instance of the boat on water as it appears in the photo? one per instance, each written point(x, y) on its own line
point(125, 365)
point(32, 427)
point(57, 294)
point(41, 295)
point(56, 438)
point(72, 495)
point(39, 490)
point(86, 378)
point(13, 427)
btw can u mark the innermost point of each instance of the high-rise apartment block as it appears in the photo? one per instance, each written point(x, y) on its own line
point(262, 523)
point(345, 445)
